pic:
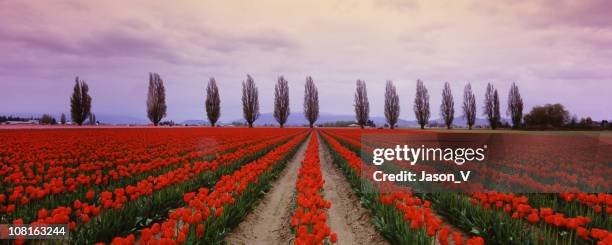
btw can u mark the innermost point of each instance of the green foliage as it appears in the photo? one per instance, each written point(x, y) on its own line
point(47, 119)
point(549, 115)
point(80, 102)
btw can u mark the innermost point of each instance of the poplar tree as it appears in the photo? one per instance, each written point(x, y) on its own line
point(447, 108)
point(421, 104)
point(212, 102)
point(392, 105)
point(362, 106)
point(80, 102)
point(156, 99)
point(281, 101)
point(469, 106)
point(250, 101)
point(311, 101)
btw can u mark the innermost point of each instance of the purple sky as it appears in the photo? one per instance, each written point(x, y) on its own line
point(556, 51)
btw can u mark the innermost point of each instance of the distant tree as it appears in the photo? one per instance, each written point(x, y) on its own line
point(213, 102)
point(491, 106)
point(80, 102)
point(573, 122)
point(238, 123)
point(250, 101)
point(549, 115)
point(515, 106)
point(167, 123)
point(392, 105)
point(504, 124)
point(469, 106)
point(156, 99)
point(311, 101)
point(281, 101)
point(488, 104)
point(421, 104)
point(586, 123)
point(92, 119)
point(13, 118)
point(496, 108)
point(362, 105)
point(371, 123)
point(47, 119)
point(447, 108)
point(63, 119)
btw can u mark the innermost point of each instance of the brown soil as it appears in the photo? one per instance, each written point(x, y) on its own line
point(269, 222)
point(347, 217)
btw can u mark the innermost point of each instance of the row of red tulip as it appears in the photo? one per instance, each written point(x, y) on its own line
point(309, 221)
point(531, 176)
point(61, 153)
point(206, 210)
point(595, 200)
point(520, 207)
point(521, 164)
point(541, 160)
point(20, 196)
point(599, 201)
point(416, 212)
point(116, 198)
point(88, 205)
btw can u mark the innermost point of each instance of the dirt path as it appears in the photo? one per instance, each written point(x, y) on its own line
point(269, 222)
point(346, 216)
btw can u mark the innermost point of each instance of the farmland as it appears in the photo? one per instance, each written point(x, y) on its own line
point(305, 186)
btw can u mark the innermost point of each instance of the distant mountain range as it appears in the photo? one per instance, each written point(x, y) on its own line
point(119, 119)
point(298, 119)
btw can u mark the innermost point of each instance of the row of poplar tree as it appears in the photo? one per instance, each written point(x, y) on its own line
point(80, 103)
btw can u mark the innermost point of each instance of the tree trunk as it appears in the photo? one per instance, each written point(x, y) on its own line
point(392, 126)
point(311, 125)
point(250, 125)
point(422, 126)
point(470, 127)
point(212, 125)
point(448, 127)
point(281, 125)
point(361, 125)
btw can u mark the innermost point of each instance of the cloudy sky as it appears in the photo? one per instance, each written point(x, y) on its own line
point(556, 51)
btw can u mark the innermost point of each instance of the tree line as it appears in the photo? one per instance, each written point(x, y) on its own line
point(421, 105)
point(80, 101)
point(553, 115)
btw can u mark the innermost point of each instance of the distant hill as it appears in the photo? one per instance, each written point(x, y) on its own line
point(298, 119)
point(120, 119)
point(460, 122)
point(195, 122)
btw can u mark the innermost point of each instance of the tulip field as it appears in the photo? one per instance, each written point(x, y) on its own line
point(493, 218)
point(193, 185)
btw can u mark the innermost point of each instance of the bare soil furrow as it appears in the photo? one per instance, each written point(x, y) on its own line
point(268, 223)
point(347, 217)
